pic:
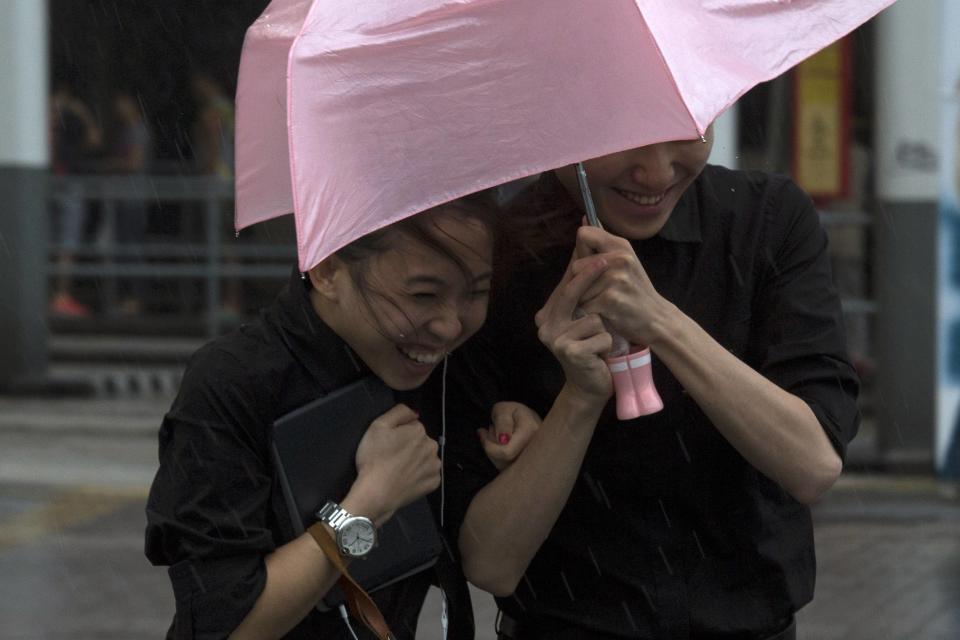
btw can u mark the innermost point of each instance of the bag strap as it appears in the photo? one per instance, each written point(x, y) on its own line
point(359, 601)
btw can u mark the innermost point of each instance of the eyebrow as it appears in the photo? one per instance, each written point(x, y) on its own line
point(486, 275)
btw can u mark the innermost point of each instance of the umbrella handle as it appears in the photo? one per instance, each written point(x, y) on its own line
point(633, 382)
point(631, 366)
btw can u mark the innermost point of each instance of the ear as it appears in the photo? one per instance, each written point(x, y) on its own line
point(324, 277)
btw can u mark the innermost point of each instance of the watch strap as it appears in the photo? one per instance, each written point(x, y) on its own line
point(333, 514)
point(361, 605)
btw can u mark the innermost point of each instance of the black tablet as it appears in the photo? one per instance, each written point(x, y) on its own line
point(314, 449)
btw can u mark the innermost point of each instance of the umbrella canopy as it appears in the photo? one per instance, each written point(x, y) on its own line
point(354, 114)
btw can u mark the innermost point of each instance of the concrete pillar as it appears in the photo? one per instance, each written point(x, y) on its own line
point(947, 449)
point(908, 152)
point(726, 134)
point(23, 201)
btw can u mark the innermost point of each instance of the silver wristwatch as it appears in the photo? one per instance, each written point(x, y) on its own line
point(356, 535)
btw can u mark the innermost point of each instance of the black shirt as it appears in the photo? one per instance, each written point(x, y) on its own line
point(669, 532)
point(216, 508)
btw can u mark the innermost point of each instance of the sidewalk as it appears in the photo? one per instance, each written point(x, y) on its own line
point(84, 416)
point(888, 557)
point(97, 443)
point(74, 474)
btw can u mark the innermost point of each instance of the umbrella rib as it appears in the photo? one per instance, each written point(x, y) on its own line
point(291, 150)
point(673, 80)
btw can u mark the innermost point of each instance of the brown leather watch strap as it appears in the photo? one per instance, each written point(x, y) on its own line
point(361, 605)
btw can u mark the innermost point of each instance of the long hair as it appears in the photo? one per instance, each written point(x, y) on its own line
point(541, 219)
point(481, 207)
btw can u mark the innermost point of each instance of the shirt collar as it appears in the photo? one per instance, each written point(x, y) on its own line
point(315, 345)
point(683, 225)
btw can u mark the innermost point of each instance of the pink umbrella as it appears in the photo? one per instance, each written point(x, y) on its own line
point(354, 115)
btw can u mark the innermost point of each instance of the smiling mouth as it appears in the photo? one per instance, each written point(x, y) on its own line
point(640, 199)
point(423, 357)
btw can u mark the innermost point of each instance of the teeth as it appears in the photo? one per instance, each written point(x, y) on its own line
point(639, 199)
point(423, 357)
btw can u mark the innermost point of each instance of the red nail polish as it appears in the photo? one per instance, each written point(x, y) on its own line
point(503, 438)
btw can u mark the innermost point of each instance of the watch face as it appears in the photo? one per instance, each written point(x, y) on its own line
point(356, 536)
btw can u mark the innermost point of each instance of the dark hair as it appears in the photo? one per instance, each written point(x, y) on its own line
point(481, 206)
point(540, 219)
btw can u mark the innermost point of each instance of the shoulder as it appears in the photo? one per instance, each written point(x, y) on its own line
point(749, 191)
point(244, 351)
point(767, 206)
point(236, 377)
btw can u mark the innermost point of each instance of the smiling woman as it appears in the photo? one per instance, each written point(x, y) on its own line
point(405, 296)
point(391, 304)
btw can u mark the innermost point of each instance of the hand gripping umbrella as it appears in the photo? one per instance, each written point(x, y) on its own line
point(353, 114)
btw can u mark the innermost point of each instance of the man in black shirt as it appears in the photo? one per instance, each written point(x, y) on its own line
point(691, 522)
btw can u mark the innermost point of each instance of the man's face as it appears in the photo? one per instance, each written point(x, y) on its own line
point(636, 190)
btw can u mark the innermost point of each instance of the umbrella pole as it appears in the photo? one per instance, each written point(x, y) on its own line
point(588, 205)
point(629, 365)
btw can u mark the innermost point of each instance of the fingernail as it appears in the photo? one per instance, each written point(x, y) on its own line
point(503, 438)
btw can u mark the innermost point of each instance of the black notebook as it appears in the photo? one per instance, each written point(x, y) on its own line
point(314, 449)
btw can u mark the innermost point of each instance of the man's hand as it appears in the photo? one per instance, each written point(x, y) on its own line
point(622, 294)
point(578, 343)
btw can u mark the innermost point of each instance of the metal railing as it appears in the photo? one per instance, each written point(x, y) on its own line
point(208, 259)
point(211, 259)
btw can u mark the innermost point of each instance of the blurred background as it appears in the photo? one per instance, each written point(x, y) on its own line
point(118, 259)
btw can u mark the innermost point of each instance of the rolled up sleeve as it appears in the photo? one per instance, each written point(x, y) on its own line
point(800, 343)
point(208, 508)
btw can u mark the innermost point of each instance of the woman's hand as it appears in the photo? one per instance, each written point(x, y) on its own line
point(622, 294)
point(581, 343)
point(514, 425)
point(396, 464)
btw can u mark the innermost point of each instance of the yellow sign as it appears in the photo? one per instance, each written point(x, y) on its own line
point(821, 134)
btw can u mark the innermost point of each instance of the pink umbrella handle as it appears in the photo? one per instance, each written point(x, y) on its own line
point(633, 382)
point(632, 374)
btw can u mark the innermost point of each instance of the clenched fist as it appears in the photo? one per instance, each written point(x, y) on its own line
point(397, 463)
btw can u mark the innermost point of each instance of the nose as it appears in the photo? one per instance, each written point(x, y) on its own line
point(652, 166)
point(446, 325)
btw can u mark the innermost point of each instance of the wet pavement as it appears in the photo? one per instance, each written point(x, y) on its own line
point(74, 475)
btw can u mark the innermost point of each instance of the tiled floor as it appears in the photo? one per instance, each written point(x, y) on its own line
point(72, 566)
point(71, 540)
point(889, 558)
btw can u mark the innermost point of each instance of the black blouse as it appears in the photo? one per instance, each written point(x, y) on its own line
point(216, 509)
point(669, 532)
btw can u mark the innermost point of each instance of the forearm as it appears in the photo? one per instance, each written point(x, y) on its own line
point(509, 519)
point(772, 429)
point(299, 574)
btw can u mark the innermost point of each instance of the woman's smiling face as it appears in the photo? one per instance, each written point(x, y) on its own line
point(636, 190)
point(417, 302)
